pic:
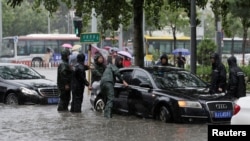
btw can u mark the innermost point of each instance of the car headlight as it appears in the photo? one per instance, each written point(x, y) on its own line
point(28, 91)
point(189, 104)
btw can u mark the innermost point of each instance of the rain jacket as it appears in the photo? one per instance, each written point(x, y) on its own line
point(64, 71)
point(78, 83)
point(218, 75)
point(79, 76)
point(236, 83)
point(111, 72)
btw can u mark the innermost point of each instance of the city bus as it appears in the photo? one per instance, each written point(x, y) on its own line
point(165, 44)
point(32, 48)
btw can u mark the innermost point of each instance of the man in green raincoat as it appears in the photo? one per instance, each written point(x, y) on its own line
point(108, 82)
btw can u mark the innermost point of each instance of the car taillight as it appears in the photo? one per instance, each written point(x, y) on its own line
point(236, 109)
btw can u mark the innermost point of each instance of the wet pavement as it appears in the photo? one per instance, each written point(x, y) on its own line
point(45, 123)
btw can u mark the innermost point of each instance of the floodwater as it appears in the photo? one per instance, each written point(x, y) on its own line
point(45, 123)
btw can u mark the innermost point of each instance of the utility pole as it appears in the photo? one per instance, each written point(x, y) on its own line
point(193, 36)
point(93, 22)
point(218, 30)
point(1, 25)
point(48, 23)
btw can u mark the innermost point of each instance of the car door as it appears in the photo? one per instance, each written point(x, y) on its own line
point(140, 98)
point(121, 92)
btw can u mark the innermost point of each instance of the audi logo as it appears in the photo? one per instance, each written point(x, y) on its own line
point(221, 106)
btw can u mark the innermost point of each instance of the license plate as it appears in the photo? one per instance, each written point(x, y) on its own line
point(222, 114)
point(53, 100)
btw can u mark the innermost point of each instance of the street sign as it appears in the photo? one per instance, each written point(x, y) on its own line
point(15, 39)
point(90, 37)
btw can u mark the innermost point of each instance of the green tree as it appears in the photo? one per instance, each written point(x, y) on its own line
point(25, 19)
point(115, 12)
point(22, 20)
point(204, 49)
point(174, 17)
point(240, 9)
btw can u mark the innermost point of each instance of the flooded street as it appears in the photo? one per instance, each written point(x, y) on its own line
point(45, 123)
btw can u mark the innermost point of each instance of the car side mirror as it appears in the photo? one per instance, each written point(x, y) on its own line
point(43, 77)
point(146, 85)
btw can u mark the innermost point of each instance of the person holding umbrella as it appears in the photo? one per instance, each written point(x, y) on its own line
point(181, 60)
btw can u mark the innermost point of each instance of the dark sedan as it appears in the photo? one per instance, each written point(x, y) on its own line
point(166, 93)
point(20, 84)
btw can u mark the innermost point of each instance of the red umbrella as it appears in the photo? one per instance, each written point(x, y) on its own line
point(66, 45)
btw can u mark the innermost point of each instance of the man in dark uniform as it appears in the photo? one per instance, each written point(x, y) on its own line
point(64, 81)
point(107, 84)
point(164, 61)
point(236, 81)
point(218, 75)
point(78, 83)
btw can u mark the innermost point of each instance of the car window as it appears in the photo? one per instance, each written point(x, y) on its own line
point(126, 75)
point(172, 79)
point(11, 72)
point(139, 77)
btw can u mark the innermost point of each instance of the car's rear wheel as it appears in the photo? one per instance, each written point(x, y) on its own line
point(12, 99)
point(164, 114)
point(99, 105)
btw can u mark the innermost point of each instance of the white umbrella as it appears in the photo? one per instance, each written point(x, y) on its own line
point(125, 53)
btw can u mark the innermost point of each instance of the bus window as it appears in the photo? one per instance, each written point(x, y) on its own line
point(22, 48)
point(37, 47)
point(7, 49)
point(53, 45)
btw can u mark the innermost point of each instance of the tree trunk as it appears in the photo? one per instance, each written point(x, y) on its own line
point(138, 32)
point(232, 46)
point(174, 36)
point(244, 44)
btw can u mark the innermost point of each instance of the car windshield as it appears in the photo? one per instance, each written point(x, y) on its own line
point(175, 79)
point(12, 72)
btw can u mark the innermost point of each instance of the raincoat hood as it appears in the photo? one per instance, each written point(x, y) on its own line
point(164, 56)
point(80, 58)
point(216, 58)
point(232, 61)
point(65, 53)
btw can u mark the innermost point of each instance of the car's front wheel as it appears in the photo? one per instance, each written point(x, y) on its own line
point(164, 114)
point(99, 105)
point(12, 99)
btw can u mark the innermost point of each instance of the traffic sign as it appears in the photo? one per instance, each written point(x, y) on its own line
point(15, 39)
point(90, 37)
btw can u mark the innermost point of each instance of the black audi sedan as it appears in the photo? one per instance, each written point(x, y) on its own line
point(168, 94)
point(20, 84)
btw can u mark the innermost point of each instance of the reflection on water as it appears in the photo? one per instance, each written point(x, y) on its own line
point(41, 122)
